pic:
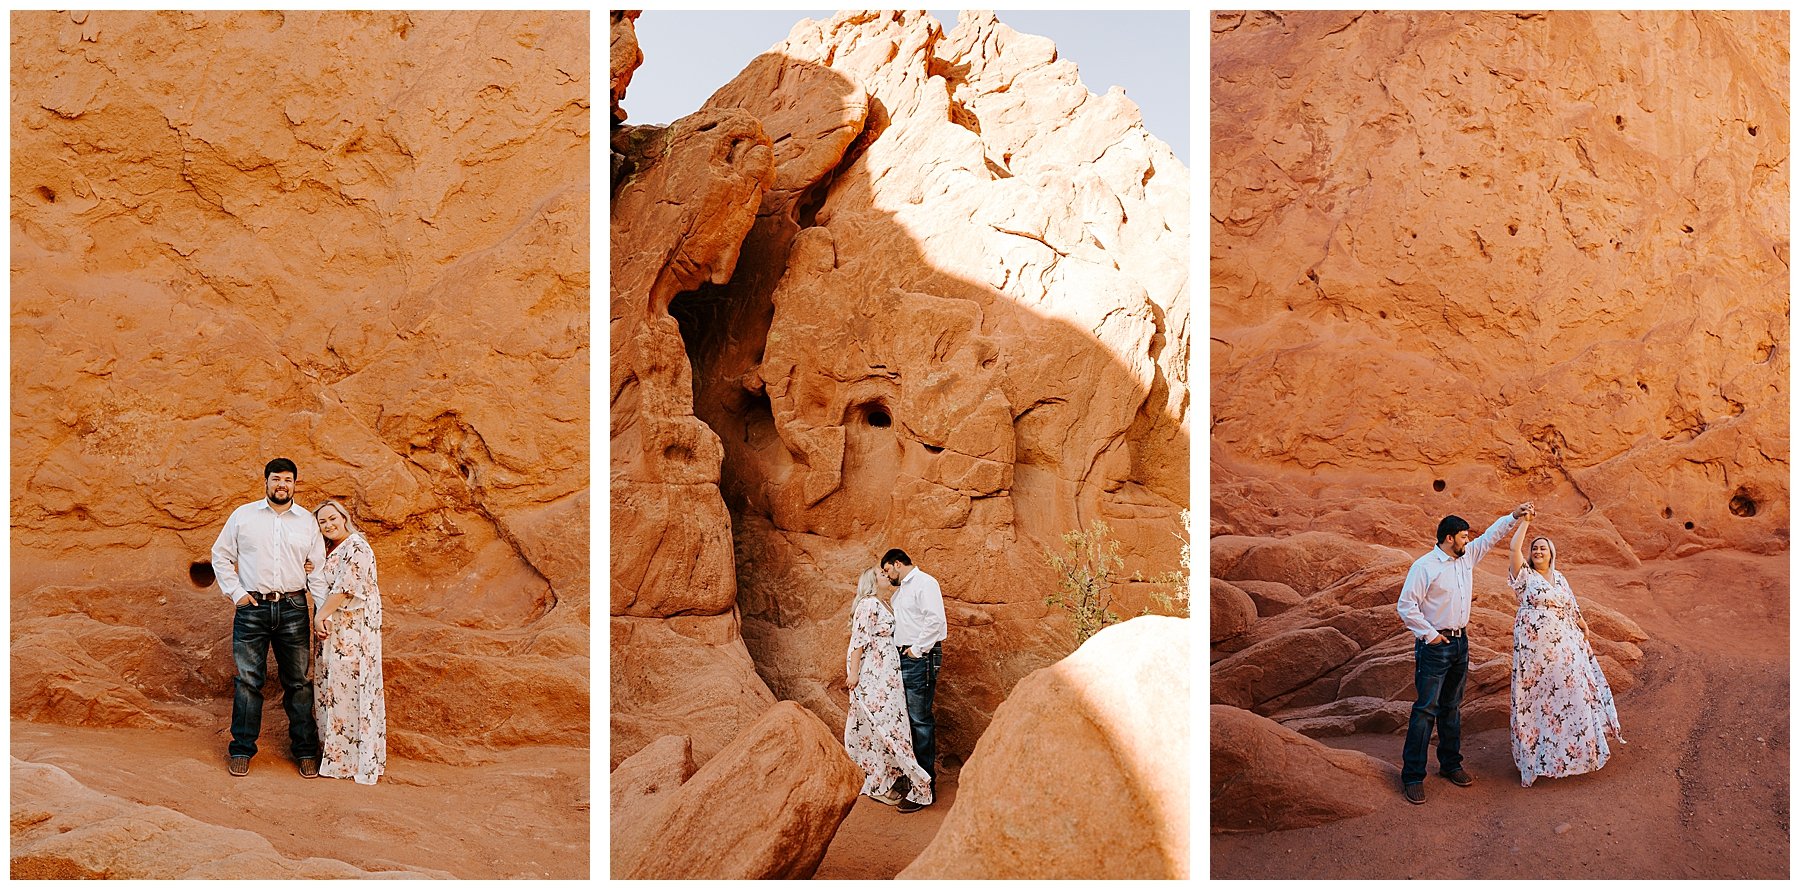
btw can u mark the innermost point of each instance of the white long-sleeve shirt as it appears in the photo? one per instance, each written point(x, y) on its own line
point(1439, 589)
point(265, 551)
point(919, 612)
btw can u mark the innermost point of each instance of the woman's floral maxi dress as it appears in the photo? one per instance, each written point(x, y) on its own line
point(1562, 708)
point(347, 700)
point(877, 734)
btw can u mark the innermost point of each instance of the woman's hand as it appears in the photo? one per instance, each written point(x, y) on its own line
point(309, 567)
point(320, 629)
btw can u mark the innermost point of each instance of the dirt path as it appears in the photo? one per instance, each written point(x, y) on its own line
point(524, 816)
point(1700, 791)
point(876, 841)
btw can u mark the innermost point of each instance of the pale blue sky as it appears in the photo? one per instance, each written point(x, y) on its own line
point(688, 55)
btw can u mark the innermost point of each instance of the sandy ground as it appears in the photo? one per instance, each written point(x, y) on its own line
point(1700, 791)
point(876, 841)
point(523, 816)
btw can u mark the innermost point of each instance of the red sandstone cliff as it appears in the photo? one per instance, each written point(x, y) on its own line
point(355, 239)
point(963, 357)
point(1460, 261)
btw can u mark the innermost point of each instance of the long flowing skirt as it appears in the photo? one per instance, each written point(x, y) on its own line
point(1562, 709)
point(877, 734)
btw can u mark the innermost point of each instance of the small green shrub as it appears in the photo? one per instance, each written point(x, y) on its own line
point(1085, 570)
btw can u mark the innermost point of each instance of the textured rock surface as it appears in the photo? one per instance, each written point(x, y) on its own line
point(764, 807)
point(959, 326)
point(683, 199)
point(1269, 778)
point(1550, 249)
point(355, 239)
point(1463, 260)
point(64, 830)
point(1114, 714)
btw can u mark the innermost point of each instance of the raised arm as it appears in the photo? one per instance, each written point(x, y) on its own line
point(1518, 547)
point(1479, 547)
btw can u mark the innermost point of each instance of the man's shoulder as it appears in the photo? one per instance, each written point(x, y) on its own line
point(253, 506)
point(925, 578)
point(1431, 559)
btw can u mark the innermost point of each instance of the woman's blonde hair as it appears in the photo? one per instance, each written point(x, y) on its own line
point(865, 585)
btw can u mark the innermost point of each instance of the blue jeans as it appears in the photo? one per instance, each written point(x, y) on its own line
point(1438, 675)
point(919, 676)
point(253, 629)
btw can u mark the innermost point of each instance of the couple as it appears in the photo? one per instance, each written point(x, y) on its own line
point(1561, 705)
point(269, 558)
point(892, 667)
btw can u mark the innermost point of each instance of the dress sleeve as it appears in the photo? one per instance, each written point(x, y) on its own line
point(1517, 583)
point(862, 628)
point(358, 574)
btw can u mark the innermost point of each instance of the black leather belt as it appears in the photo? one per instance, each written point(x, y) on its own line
point(259, 597)
point(1458, 632)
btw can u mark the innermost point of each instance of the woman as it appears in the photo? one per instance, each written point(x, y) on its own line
point(1562, 708)
point(347, 701)
point(876, 733)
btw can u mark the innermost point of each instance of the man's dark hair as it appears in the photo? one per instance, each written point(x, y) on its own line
point(1450, 525)
point(280, 465)
point(895, 555)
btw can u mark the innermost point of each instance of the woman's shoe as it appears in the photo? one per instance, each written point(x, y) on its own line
point(890, 798)
point(907, 806)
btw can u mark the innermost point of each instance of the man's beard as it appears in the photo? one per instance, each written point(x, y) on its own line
point(279, 499)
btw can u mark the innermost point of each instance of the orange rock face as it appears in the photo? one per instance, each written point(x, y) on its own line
point(318, 235)
point(1465, 260)
point(1083, 772)
point(1461, 261)
point(957, 326)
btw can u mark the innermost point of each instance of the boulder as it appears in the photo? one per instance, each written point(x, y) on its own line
point(1271, 597)
point(641, 786)
point(1115, 713)
point(764, 807)
point(1266, 777)
point(1233, 611)
point(1279, 665)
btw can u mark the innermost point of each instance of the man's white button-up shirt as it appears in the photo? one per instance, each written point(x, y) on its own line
point(1440, 588)
point(266, 551)
point(919, 612)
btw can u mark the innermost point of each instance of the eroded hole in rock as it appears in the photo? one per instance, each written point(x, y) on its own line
point(1512, 228)
point(1742, 504)
point(1752, 130)
point(1437, 485)
point(47, 193)
point(1668, 513)
point(1687, 228)
point(678, 452)
point(876, 417)
point(935, 449)
point(1382, 313)
point(201, 573)
point(1643, 386)
point(1688, 525)
point(1619, 121)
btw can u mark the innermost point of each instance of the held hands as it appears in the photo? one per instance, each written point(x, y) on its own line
point(1526, 511)
point(320, 628)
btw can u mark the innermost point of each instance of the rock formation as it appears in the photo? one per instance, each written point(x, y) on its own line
point(956, 324)
point(764, 807)
point(1550, 249)
point(1083, 772)
point(355, 239)
point(62, 830)
point(1266, 777)
point(1464, 260)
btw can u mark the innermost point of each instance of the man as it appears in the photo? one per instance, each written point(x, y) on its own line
point(260, 561)
point(919, 631)
point(1434, 604)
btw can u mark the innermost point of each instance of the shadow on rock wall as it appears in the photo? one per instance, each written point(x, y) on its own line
point(956, 323)
point(318, 235)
